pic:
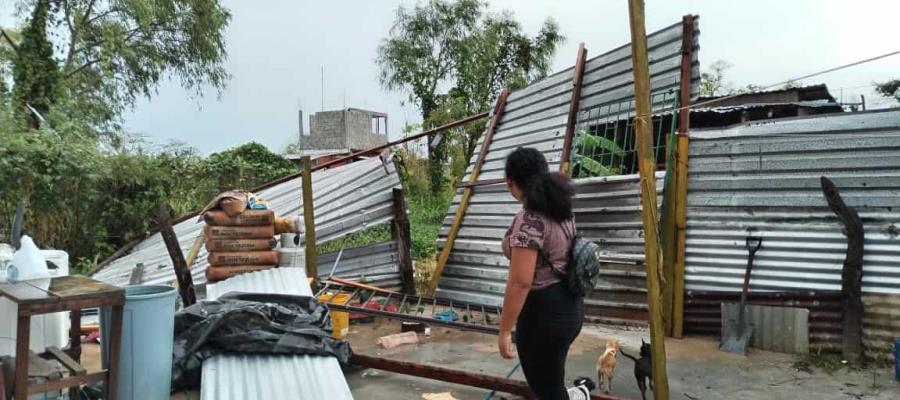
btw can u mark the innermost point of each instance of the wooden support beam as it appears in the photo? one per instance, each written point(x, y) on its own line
point(851, 275)
point(182, 270)
point(195, 248)
point(442, 374)
point(68, 362)
point(309, 219)
point(571, 122)
point(467, 192)
point(681, 169)
point(401, 235)
point(647, 167)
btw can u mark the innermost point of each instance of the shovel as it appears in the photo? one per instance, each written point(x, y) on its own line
point(736, 333)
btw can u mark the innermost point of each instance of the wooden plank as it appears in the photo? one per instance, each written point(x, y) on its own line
point(195, 248)
point(74, 349)
point(681, 169)
point(309, 219)
point(72, 305)
point(76, 287)
point(66, 361)
point(674, 258)
point(401, 235)
point(467, 193)
point(851, 275)
point(577, 76)
point(23, 337)
point(115, 352)
point(23, 294)
point(442, 374)
point(182, 269)
point(647, 167)
point(59, 384)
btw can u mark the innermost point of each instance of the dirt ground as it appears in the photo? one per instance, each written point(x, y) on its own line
point(697, 370)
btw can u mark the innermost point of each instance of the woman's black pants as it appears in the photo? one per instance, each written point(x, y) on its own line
point(548, 324)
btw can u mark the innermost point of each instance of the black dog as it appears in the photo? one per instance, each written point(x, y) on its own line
point(642, 368)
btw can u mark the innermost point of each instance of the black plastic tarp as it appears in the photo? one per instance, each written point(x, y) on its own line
point(241, 323)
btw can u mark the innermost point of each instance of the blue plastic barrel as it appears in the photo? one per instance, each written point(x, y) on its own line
point(148, 324)
point(897, 359)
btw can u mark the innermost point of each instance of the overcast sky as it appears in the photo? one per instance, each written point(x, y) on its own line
point(276, 50)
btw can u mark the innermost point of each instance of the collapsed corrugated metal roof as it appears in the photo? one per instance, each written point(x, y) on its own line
point(347, 199)
point(536, 117)
point(762, 179)
point(241, 377)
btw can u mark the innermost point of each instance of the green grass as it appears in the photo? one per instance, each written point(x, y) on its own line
point(426, 213)
point(365, 237)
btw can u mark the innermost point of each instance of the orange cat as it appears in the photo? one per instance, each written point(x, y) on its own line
point(606, 365)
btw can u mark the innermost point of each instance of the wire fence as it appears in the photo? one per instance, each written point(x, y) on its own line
point(605, 143)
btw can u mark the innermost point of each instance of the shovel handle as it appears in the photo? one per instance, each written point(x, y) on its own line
point(753, 245)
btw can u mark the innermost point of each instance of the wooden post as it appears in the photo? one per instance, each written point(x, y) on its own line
point(182, 270)
point(195, 248)
point(667, 226)
point(577, 77)
point(467, 193)
point(444, 374)
point(23, 337)
point(647, 166)
point(310, 220)
point(681, 167)
point(400, 233)
point(851, 276)
point(115, 351)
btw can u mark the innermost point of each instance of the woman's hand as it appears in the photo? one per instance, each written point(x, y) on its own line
point(506, 346)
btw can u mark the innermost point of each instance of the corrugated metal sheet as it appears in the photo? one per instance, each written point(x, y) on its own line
point(375, 265)
point(702, 313)
point(781, 329)
point(347, 199)
point(535, 117)
point(881, 325)
point(762, 179)
point(265, 376)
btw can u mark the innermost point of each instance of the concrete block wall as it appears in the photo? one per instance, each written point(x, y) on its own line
point(341, 129)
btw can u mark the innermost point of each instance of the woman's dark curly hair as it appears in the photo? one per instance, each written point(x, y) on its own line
point(547, 193)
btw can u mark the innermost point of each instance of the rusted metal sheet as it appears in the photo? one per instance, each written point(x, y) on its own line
point(348, 199)
point(536, 116)
point(881, 325)
point(702, 313)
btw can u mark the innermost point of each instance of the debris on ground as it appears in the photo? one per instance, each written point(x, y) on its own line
point(438, 396)
point(397, 339)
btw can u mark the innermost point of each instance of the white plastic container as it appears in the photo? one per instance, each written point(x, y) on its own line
point(46, 330)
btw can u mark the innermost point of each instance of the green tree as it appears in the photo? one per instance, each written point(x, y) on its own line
point(712, 82)
point(110, 53)
point(246, 166)
point(34, 70)
point(452, 58)
point(889, 88)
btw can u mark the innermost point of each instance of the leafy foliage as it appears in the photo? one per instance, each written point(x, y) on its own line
point(90, 201)
point(110, 53)
point(712, 81)
point(34, 69)
point(889, 88)
point(452, 58)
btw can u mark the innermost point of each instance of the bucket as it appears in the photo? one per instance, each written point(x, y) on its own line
point(148, 325)
point(340, 321)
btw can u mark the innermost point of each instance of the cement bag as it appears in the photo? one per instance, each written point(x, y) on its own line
point(28, 263)
point(246, 218)
point(289, 225)
point(239, 232)
point(244, 258)
point(228, 245)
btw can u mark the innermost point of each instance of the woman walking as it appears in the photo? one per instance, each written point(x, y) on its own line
point(546, 315)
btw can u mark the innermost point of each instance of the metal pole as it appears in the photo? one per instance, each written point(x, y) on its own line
point(647, 167)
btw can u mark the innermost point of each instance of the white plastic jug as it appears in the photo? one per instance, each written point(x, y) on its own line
point(27, 263)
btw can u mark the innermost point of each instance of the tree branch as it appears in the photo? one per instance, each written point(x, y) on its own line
point(12, 44)
point(81, 68)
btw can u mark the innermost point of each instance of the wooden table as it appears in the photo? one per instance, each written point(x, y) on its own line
point(67, 293)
